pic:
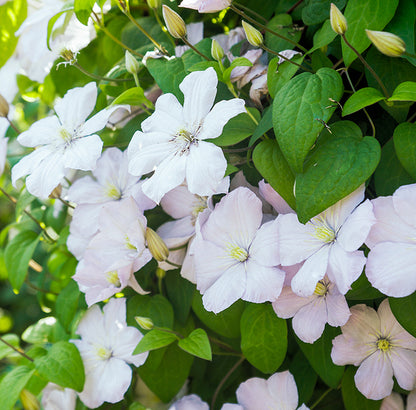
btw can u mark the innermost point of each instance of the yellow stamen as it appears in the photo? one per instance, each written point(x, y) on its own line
point(112, 277)
point(104, 353)
point(383, 344)
point(238, 253)
point(112, 192)
point(321, 289)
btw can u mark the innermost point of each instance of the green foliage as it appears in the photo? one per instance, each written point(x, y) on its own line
point(279, 74)
point(401, 308)
point(67, 304)
point(404, 92)
point(316, 11)
point(83, 9)
point(404, 138)
point(155, 339)
point(281, 24)
point(361, 99)
point(263, 337)
point(197, 344)
point(12, 384)
point(133, 96)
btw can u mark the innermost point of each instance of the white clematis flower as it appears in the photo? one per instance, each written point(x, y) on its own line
point(106, 348)
point(65, 141)
point(55, 397)
point(328, 243)
point(172, 142)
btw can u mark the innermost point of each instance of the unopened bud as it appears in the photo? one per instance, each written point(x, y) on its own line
point(387, 43)
point(216, 50)
point(338, 21)
point(144, 322)
point(160, 273)
point(132, 65)
point(154, 4)
point(123, 5)
point(174, 22)
point(4, 107)
point(254, 37)
point(156, 246)
point(29, 400)
point(56, 193)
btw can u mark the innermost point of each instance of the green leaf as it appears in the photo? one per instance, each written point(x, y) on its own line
point(18, 253)
point(83, 10)
point(263, 337)
point(155, 339)
point(281, 24)
point(62, 365)
point(319, 357)
point(67, 304)
point(390, 173)
point(52, 21)
point(304, 375)
point(316, 11)
point(6, 350)
point(12, 384)
point(404, 92)
point(197, 344)
point(371, 15)
point(12, 15)
point(324, 36)
point(270, 162)
point(402, 308)
point(361, 289)
point(265, 124)
point(334, 170)
point(300, 110)
point(24, 200)
point(225, 323)
point(171, 365)
point(41, 331)
point(353, 399)
point(133, 96)
point(237, 129)
point(404, 138)
point(238, 62)
point(361, 99)
point(157, 307)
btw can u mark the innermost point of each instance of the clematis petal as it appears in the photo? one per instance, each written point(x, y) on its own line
point(83, 153)
point(337, 309)
point(393, 402)
point(282, 388)
point(220, 114)
point(265, 246)
point(205, 6)
point(404, 367)
point(288, 303)
point(253, 393)
point(374, 378)
point(91, 327)
point(390, 268)
point(86, 191)
point(403, 201)
point(178, 202)
point(99, 120)
point(44, 131)
point(274, 199)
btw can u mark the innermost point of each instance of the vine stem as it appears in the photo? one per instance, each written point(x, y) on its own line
point(251, 11)
point(17, 350)
point(224, 379)
point(12, 125)
point(99, 77)
point(251, 20)
point(285, 58)
point(321, 398)
point(369, 68)
point(184, 39)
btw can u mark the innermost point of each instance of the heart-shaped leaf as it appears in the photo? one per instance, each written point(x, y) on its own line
point(361, 99)
point(334, 170)
point(404, 138)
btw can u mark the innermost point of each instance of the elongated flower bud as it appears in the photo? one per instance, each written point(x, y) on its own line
point(387, 43)
point(254, 37)
point(154, 4)
point(4, 107)
point(123, 5)
point(156, 246)
point(174, 22)
point(132, 65)
point(29, 400)
point(338, 21)
point(216, 50)
point(144, 322)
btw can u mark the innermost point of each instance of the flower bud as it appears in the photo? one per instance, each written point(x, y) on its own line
point(216, 50)
point(132, 65)
point(144, 322)
point(160, 273)
point(154, 4)
point(156, 246)
point(254, 37)
point(338, 21)
point(387, 43)
point(123, 5)
point(174, 22)
point(29, 400)
point(4, 107)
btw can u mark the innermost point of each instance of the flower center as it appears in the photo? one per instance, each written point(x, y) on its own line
point(323, 231)
point(238, 253)
point(184, 139)
point(65, 135)
point(383, 344)
point(104, 353)
point(129, 245)
point(321, 288)
point(112, 191)
point(199, 205)
point(112, 277)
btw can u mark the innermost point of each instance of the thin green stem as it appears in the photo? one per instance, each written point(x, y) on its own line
point(299, 2)
point(66, 203)
point(251, 20)
point(241, 6)
point(285, 58)
point(234, 93)
point(321, 398)
point(162, 329)
point(34, 287)
point(99, 77)
point(136, 79)
point(17, 350)
point(369, 68)
point(224, 379)
point(412, 117)
point(173, 263)
point(177, 248)
point(184, 39)
point(12, 125)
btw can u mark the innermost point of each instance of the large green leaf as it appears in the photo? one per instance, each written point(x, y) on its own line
point(18, 253)
point(405, 91)
point(404, 138)
point(12, 384)
point(319, 356)
point(371, 15)
point(155, 339)
point(272, 165)
point(316, 11)
point(12, 15)
point(67, 304)
point(83, 10)
point(361, 99)
point(11, 339)
point(324, 36)
point(197, 344)
point(281, 24)
point(403, 309)
point(300, 110)
point(304, 375)
point(263, 337)
point(62, 365)
point(334, 170)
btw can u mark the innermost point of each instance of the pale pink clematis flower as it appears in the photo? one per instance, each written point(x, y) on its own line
point(279, 391)
point(191, 402)
point(65, 141)
point(206, 6)
point(392, 240)
point(234, 256)
point(381, 348)
point(55, 397)
point(395, 402)
point(106, 348)
point(172, 142)
point(328, 243)
point(311, 313)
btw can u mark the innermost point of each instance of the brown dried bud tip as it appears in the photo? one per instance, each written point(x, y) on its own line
point(4, 107)
point(56, 193)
